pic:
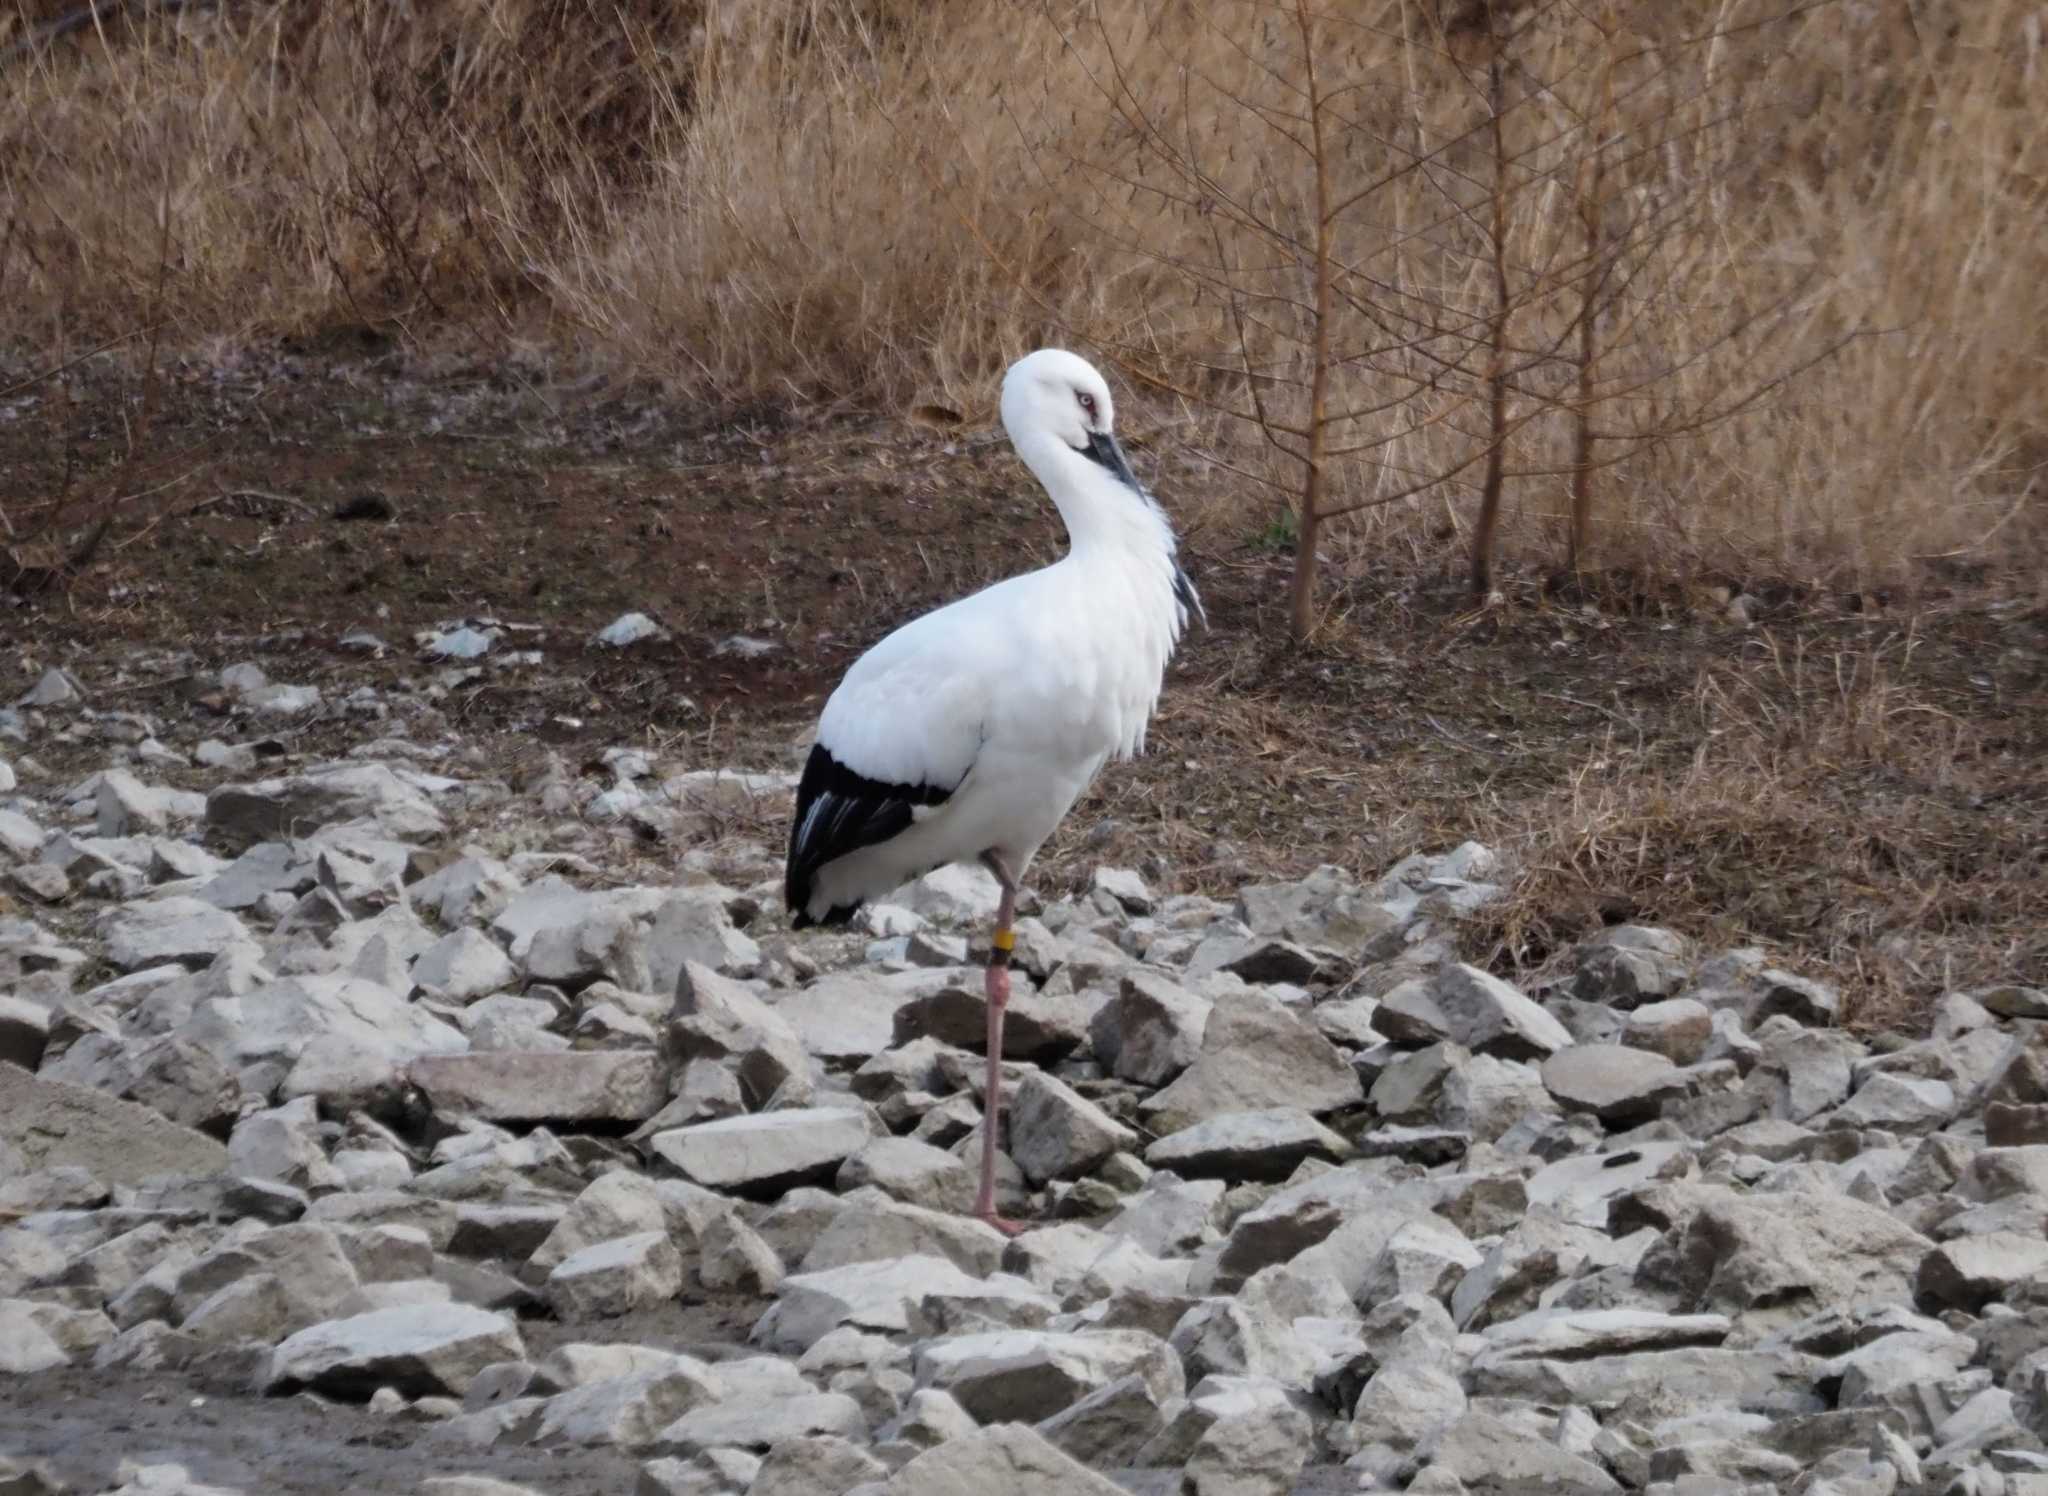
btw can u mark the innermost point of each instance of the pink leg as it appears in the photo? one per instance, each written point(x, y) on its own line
point(998, 988)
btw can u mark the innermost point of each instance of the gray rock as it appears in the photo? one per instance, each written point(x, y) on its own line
point(913, 1172)
point(365, 1031)
point(630, 628)
point(579, 1086)
point(875, 1228)
point(1009, 1458)
point(618, 1276)
point(1425, 1255)
point(879, 1297)
point(1579, 1188)
point(1159, 1026)
point(41, 882)
point(399, 801)
point(1678, 1028)
point(733, 1258)
point(1814, 1004)
point(820, 1465)
point(761, 1423)
point(844, 1017)
point(1536, 1253)
point(1582, 1334)
point(55, 687)
point(464, 966)
point(1490, 1454)
point(694, 925)
point(1256, 1453)
point(1265, 1145)
point(1736, 1252)
point(1109, 1426)
point(53, 1125)
point(1488, 1096)
point(1326, 909)
point(1256, 1055)
point(26, 1347)
point(767, 1153)
point(1486, 1015)
point(1973, 1271)
point(1055, 1133)
point(420, 1350)
point(188, 931)
point(1617, 1084)
point(1897, 1103)
point(1629, 966)
point(1168, 1215)
point(718, 1018)
point(629, 1411)
point(1040, 1026)
point(1022, 1376)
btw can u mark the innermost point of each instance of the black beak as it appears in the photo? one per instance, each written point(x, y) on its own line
point(1103, 451)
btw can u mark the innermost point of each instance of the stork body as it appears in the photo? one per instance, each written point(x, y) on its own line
point(968, 734)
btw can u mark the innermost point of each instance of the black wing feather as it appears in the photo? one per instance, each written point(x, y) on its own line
point(852, 811)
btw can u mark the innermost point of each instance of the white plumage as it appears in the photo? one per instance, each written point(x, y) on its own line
point(1008, 702)
point(969, 733)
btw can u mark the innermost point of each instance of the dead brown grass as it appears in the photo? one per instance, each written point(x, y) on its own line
point(882, 202)
point(1837, 802)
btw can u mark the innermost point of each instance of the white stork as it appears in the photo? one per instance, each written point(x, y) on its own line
point(969, 733)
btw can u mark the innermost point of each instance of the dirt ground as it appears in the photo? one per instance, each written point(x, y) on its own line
point(1852, 780)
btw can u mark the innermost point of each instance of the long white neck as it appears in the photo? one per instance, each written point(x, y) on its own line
point(1102, 513)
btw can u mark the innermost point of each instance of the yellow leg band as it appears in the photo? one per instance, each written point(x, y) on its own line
point(1004, 940)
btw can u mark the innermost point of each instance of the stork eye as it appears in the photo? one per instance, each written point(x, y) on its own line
point(1087, 402)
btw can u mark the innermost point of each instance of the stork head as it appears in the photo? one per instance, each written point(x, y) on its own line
point(1056, 396)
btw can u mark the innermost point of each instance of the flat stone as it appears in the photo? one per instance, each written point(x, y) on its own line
point(766, 1153)
point(188, 931)
point(1613, 1082)
point(1578, 1334)
point(913, 1172)
point(877, 1296)
point(421, 1350)
point(1489, 1454)
point(1897, 1103)
point(54, 1125)
point(761, 1423)
point(281, 809)
point(620, 1085)
point(843, 1018)
point(1262, 1145)
point(1022, 1376)
point(1256, 1055)
point(1008, 1458)
point(874, 1228)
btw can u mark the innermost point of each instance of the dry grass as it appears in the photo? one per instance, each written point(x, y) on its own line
point(882, 202)
point(1835, 802)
